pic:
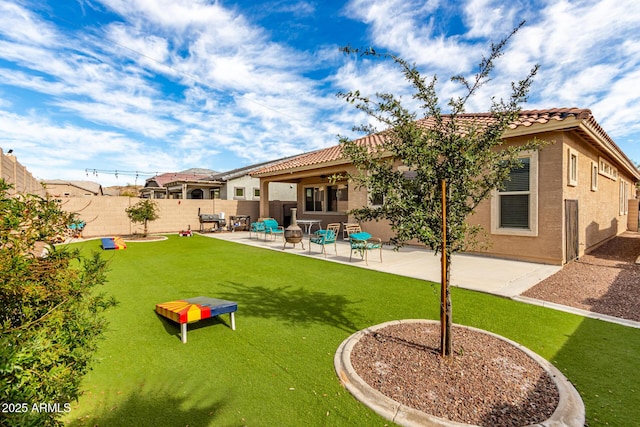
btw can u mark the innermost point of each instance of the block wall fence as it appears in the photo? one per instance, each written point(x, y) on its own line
point(14, 173)
point(105, 216)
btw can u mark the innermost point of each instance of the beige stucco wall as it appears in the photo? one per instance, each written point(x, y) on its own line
point(106, 216)
point(598, 211)
point(547, 246)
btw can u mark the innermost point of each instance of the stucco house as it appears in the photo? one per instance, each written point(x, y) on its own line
point(62, 188)
point(195, 183)
point(192, 183)
point(574, 195)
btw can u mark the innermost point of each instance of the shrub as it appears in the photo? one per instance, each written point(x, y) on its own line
point(50, 316)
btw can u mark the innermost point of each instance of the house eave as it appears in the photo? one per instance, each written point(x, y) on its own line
point(606, 145)
point(299, 169)
point(589, 130)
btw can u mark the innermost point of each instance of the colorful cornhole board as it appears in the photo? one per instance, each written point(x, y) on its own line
point(192, 310)
point(116, 243)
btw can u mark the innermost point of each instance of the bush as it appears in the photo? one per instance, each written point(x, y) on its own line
point(50, 318)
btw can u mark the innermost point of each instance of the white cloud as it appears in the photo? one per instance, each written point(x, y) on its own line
point(234, 90)
point(492, 18)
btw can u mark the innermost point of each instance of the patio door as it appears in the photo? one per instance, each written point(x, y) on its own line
point(571, 230)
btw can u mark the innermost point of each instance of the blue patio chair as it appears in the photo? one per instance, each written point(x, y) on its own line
point(272, 228)
point(363, 243)
point(256, 227)
point(325, 237)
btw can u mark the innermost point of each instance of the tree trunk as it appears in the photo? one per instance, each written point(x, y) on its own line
point(445, 275)
point(446, 342)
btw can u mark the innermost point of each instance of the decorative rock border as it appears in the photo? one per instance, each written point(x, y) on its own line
point(570, 411)
point(155, 238)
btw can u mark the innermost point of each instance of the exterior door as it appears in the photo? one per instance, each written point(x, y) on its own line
point(571, 229)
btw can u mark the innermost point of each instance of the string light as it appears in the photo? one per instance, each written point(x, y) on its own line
point(118, 173)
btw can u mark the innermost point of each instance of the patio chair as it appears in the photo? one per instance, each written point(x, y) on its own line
point(271, 227)
point(363, 243)
point(325, 237)
point(350, 229)
point(345, 229)
point(256, 227)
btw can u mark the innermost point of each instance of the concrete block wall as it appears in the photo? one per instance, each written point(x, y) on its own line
point(16, 174)
point(105, 216)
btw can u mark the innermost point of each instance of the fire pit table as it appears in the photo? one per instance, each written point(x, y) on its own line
point(192, 310)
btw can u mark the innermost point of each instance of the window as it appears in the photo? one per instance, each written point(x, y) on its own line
point(573, 167)
point(256, 193)
point(329, 198)
point(624, 197)
point(332, 198)
point(514, 210)
point(238, 192)
point(594, 176)
point(376, 199)
point(215, 193)
point(313, 199)
point(607, 169)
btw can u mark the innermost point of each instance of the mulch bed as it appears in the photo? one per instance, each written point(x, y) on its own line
point(487, 382)
point(606, 281)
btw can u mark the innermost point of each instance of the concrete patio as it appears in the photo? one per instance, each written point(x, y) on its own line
point(496, 276)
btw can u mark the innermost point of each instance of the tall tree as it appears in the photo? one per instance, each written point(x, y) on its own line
point(50, 312)
point(421, 156)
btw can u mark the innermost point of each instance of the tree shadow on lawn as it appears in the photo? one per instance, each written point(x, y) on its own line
point(293, 306)
point(164, 407)
point(173, 328)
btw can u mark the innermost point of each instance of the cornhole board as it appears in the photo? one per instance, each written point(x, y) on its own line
point(191, 310)
point(113, 243)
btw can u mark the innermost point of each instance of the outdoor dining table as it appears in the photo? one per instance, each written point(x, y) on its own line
point(309, 223)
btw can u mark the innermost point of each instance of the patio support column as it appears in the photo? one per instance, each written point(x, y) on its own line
point(264, 198)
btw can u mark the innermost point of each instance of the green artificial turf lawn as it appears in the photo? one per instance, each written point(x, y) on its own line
point(293, 313)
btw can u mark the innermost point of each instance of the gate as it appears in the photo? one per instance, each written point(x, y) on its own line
point(571, 229)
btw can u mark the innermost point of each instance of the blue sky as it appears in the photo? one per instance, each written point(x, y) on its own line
point(167, 85)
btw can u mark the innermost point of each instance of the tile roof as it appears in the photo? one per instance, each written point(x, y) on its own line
point(526, 119)
point(188, 175)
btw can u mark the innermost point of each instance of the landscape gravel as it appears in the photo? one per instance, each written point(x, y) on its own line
point(489, 382)
point(605, 281)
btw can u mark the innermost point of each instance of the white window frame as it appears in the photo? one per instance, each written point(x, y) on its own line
point(594, 176)
point(607, 169)
point(572, 167)
point(532, 231)
point(624, 197)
